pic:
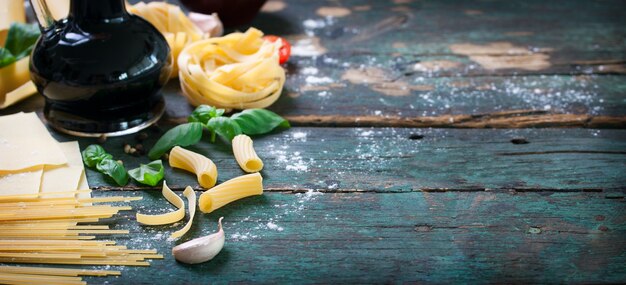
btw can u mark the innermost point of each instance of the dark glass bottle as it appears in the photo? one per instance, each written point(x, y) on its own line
point(100, 70)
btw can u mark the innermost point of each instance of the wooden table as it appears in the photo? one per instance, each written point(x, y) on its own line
point(434, 142)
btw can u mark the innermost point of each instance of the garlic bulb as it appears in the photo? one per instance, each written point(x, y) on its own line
point(200, 249)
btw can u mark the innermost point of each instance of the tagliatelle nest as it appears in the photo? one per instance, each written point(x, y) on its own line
point(237, 71)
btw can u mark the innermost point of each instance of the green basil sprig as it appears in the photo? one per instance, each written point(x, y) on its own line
point(149, 174)
point(249, 122)
point(259, 121)
point(113, 169)
point(93, 154)
point(204, 113)
point(225, 127)
point(181, 135)
point(19, 43)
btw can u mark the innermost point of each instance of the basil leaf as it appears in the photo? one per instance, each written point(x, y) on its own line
point(259, 121)
point(113, 169)
point(93, 154)
point(149, 174)
point(181, 135)
point(225, 127)
point(204, 113)
point(6, 57)
point(21, 39)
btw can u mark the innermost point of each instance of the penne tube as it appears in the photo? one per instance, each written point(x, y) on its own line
point(202, 166)
point(231, 190)
point(245, 155)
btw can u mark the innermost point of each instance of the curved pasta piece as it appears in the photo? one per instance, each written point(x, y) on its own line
point(167, 218)
point(245, 155)
point(231, 190)
point(191, 199)
point(202, 166)
point(237, 71)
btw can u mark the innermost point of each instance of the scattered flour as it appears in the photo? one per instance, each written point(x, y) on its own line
point(318, 80)
point(299, 136)
point(273, 226)
point(309, 71)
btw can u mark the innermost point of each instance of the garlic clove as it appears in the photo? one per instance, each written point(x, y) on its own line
point(200, 249)
point(209, 24)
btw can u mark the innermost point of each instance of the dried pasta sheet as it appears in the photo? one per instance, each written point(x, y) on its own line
point(21, 183)
point(83, 185)
point(25, 143)
point(66, 177)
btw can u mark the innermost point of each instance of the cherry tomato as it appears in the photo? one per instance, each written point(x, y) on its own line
point(285, 49)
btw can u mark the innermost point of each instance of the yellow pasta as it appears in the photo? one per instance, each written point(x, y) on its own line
point(245, 155)
point(167, 218)
point(11, 278)
point(191, 199)
point(237, 71)
point(167, 18)
point(202, 166)
point(56, 271)
point(175, 26)
point(231, 190)
point(44, 229)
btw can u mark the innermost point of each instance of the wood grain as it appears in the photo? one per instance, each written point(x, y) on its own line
point(407, 159)
point(468, 237)
point(588, 40)
point(410, 64)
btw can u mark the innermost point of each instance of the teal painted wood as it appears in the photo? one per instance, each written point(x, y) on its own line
point(586, 43)
point(460, 237)
point(478, 102)
point(591, 35)
point(388, 160)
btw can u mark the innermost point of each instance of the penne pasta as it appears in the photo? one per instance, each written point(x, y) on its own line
point(231, 190)
point(202, 166)
point(245, 155)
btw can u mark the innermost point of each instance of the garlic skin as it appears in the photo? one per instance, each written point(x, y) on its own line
point(209, 24)
point(200, 249)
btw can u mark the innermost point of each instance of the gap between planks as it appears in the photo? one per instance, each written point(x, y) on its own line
point(614, 191)
point(514, 119)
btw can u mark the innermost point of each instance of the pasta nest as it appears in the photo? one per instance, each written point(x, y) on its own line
point(237, 71)
point(173, 24)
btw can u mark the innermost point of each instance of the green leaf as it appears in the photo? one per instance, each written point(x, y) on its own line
point(6, 57)
point(149, 174)
point(93, 154)
point(181, 135)
point(113, 169)
point(204, 113)
point(259, 121)
point(225, 127)
point(21, 39)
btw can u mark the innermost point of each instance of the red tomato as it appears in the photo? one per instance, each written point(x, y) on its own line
point(285, 49)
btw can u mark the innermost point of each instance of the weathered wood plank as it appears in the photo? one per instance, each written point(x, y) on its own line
point(401, 160)
point(465, 237)
point(494, 102)
point(508, 37)
point(485, 102)
point(406, 74)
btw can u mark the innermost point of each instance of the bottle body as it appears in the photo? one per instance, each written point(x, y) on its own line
point(101, 74)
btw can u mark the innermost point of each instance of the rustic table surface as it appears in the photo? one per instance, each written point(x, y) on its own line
point(433, 141)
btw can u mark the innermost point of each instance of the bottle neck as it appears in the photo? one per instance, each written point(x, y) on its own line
point(97, 10)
